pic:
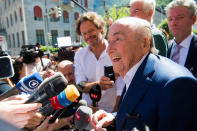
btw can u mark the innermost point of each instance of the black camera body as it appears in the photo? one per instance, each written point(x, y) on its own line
point(30, 53)
point(109, 72)
point(6, 66)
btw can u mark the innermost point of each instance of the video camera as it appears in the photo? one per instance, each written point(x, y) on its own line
point(6, 68)
point(30, 53)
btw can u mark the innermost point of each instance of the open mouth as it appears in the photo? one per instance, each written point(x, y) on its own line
point(116, 59)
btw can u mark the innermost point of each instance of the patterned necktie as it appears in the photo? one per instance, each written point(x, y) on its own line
point(176, 54)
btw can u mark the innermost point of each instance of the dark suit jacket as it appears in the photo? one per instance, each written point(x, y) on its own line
point(191, 61)
point(162, 97)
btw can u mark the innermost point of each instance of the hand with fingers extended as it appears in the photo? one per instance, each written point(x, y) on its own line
point(14, 111)
point(101, 119)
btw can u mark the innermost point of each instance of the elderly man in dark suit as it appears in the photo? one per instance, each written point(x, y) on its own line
point(181, 17)
point(159, 95)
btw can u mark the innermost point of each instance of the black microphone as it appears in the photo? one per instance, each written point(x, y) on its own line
point(68, 111)
point(49, 88)
point(26, 85)
point(82, 117)
point(95, 94)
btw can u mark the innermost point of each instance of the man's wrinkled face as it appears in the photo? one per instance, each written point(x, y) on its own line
point(124, 50)
point(68, 72)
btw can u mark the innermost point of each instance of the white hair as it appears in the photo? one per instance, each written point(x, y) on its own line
point(148, 4)
point(189, 4)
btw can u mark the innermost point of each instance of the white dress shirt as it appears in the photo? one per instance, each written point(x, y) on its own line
point(88, 68)
point(183, 51)
point(131, 73)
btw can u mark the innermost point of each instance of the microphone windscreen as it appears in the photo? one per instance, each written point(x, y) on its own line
point(26, 85)
point(82, 117)
point(65, 98)
point(95, 94)
point(49, 88)
point(29, 83)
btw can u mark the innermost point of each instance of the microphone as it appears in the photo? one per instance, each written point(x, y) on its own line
point(26, 85)
point(64, 101)
point(65, 98)
point(82, 117)
point(49, 88)
point(95, 95)
point(55, 104)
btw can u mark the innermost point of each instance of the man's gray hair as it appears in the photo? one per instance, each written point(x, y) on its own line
point(189, 4)
point(148, 4)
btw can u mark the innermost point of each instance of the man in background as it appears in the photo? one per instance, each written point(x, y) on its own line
point(181, 17)
point(145, 9)
point(90, 60)
point(67, 69)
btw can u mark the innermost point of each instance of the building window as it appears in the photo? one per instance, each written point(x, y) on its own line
point(13, 38)
point(21, 14)
point(66, 33)
point(53, 17)
point(37, 13)
point(18, 39)
point(86, 3)
point(23, 37)
point(40, 37)
point(8, 2)
point(76, 15)
point(11, 20)
point(65, 17)
point(5, 3)
point(15, 15)
point(7, 22)
point(9, 42)
point(54, 35)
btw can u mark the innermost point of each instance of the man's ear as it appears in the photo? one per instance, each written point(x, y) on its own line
point(150, 13)
point(194, 19)
point(146, 45)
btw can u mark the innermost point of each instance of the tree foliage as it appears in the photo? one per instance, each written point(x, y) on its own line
point(117, 12)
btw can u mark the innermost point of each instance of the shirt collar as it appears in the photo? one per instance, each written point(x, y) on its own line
point(130, 74)
point(186, 43)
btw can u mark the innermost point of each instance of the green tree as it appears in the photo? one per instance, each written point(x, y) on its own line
point(162, 3)
point(164, 25)
point(116, 13)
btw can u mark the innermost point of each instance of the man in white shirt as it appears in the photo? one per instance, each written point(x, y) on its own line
point(90, 61)
point(181, 17)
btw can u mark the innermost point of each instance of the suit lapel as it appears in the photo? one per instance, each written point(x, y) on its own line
point(191, 53)
point(170, 49)
point(136, 91)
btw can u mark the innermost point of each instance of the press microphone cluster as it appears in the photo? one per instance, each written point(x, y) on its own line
point(64, 101)
point(26, 85)
point(95, 95)
point(49, 88)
